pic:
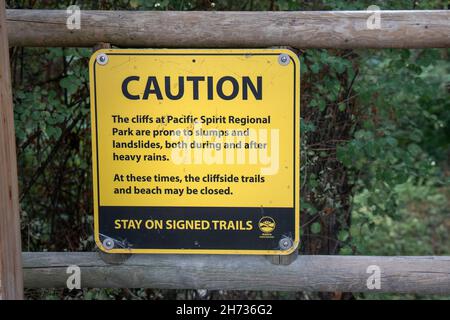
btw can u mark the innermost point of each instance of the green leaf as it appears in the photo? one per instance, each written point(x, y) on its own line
point(414, 149)
point(315, 68)
point(343, 235)
point(322, 105)
point(316, 227)
point(304, 205)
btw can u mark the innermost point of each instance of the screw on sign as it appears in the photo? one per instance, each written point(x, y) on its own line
point(108, 243)
point(102, 59)
point(285, 243)
point(284, 59)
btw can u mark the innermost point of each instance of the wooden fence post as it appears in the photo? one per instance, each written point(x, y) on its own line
point(11, 282)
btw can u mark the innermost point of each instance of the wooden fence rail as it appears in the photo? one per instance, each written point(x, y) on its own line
point(306, 273)
point(305, 29)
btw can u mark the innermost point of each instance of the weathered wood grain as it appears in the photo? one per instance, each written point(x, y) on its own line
point(11, 286)
point(303, 29)
point(306, 273)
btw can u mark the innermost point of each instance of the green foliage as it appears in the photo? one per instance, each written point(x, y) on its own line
point(419, 228)
point(404, 131)
point(51, 108)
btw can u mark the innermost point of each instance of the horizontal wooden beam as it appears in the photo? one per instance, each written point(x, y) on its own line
point(306, 273)
point(301, 29)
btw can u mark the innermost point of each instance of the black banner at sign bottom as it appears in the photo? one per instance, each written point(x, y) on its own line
point(197, 228)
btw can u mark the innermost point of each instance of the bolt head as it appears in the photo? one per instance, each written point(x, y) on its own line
point(285, 243)
point(284, 59)
point(108, 244)
point(102, 59)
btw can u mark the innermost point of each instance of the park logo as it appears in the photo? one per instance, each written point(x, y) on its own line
point(267, 226)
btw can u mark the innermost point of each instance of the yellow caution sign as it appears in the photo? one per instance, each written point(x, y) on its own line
point(196, 151)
